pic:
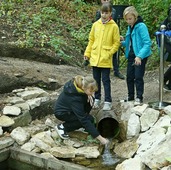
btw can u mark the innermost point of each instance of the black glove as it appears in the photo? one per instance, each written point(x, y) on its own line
point(86, 63)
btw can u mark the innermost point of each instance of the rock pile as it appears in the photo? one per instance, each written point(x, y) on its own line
point(147, 138)
point(38, 136)
point(145, 132)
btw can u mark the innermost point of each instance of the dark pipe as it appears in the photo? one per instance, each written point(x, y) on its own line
point(107, 124)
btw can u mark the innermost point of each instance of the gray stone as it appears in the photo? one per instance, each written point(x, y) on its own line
point(127, 148)
point(20, 135)
point(6, 142)
point(63, 152)
point(6, 121)
point(11, 110)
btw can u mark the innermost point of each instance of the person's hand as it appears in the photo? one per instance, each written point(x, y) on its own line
point(91, 100)
point(137, 61)
point(104, 141)
point(85, 58)
point(86, 61)
point(121, 38)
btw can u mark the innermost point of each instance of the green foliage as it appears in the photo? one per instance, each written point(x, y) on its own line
point(154, 59)
point(153, 13)
point(79, 2)
point(45, 24)
point(90, 139)
point(168, 159)
point(34, 34)
point(8, 6)
point(81, 34)
point(54, 42)
point(63, 26)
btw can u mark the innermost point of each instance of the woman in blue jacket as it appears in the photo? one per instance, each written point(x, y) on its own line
point(74, 105)
point(138, 49)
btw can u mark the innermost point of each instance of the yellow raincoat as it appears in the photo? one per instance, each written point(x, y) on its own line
point(104, 41)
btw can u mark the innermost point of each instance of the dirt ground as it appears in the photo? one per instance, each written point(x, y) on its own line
point(32, 70)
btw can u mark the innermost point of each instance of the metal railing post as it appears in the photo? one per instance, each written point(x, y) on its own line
point(161, 69)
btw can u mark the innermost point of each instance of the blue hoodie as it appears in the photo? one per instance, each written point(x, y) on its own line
point(141, 42)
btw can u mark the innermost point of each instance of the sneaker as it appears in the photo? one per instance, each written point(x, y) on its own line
point(138, 101)
point(166, 88)
point(96, 104)
point(128, 99)
point(119, 75)
point(107, 106)
point(60, 130)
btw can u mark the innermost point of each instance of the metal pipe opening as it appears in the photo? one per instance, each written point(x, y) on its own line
point(107, 124)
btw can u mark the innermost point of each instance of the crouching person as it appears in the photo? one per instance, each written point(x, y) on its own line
point(74, 105)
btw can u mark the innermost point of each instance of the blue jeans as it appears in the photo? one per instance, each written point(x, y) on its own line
point(135, 79)
point(104, 74)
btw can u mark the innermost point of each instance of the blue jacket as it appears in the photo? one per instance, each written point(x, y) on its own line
point(140, 39)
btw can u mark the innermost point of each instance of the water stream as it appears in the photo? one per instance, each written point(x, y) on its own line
point(108, 158)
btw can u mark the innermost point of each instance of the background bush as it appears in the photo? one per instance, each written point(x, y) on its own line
point(61, 27)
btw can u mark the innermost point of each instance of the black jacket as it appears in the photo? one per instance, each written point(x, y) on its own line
point(70, 100)
point(167, 39)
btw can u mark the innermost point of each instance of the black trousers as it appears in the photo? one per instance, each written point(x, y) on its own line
point(104, 75)
point(71, 121)
point(135, 77)
point(167, 77)
point(115, 64)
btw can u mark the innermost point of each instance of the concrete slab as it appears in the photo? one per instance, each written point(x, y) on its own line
point(4, 154)
point(43, 162)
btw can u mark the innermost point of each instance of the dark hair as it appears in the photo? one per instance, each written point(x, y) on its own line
point(106, 7)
